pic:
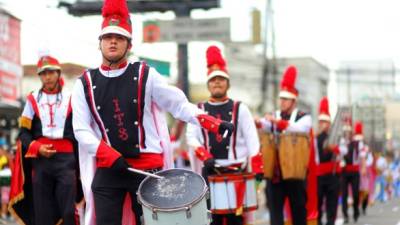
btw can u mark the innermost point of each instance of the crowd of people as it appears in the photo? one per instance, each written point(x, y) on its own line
point(74, 148)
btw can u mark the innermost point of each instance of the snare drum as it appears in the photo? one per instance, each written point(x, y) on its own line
point(179, 198)
point(294, 155)
point(232, 192)
point(268, 150)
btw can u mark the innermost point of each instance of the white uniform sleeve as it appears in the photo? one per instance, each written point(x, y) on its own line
point(172, 99)
point(343, 148)
point(194, 137)
point(247, 127)
point(304, 124)
point(82, 120)
point(28, 111)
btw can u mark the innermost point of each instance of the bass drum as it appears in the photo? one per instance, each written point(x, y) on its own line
point(294, 155)
point(179, 198)
point(268, 151)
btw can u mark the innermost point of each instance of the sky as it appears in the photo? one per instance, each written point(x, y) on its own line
point(328, 30)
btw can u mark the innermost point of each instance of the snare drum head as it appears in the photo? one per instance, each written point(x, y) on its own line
point(178, 188)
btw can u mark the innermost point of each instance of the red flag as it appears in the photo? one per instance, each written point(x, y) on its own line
point(21, 203)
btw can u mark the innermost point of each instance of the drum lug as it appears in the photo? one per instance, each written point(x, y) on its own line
point(154, 215)
point(188, 213)
point(208, 195)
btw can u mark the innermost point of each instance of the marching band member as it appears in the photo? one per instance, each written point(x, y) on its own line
point(224, 155)
point(351, 172)
point(366, 177)
point(328, 168)
point(47, 146)
point(118, 124)
point(289, 119)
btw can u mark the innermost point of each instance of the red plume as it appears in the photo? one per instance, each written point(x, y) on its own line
point(115, 7)
point(358, 128)
point(289, 77)
point(214, 57)
point(324, 106)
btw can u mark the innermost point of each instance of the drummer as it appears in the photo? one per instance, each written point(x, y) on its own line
point(219, 154)
point(118, 124)
point(287, 119)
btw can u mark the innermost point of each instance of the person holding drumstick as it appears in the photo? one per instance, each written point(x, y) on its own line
point(286, 120)
point(224, 155)
point(118, 124)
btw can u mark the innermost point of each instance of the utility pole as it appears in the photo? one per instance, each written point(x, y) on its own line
point(266, 63)
point(183, 71)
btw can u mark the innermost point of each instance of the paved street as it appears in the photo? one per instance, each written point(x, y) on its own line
point(379, 214)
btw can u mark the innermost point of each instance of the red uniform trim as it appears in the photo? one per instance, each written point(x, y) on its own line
point(235, 119)
point(33, 149)
point(120, 66)
point(140, 86)
point(56, 91)
point(69, 110)
point(146, 161)
point(106, 155)
point(351, 168)
point(93, 108)
point(327, 168)
point(231, 177)
point(33, 102)
point(60, 145)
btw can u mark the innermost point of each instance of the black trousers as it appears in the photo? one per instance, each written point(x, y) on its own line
point(353, 179)
point(220, 219)
point(276, 193)
point(328, 193)
point(54, 189)
point(109, 189)
point(231, 219)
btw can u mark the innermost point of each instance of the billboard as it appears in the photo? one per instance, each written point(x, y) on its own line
point(186, 29)
point(10, 59)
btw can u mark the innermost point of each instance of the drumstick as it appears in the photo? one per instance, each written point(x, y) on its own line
point(229, 167)
point(225, 134)
point(144, 173)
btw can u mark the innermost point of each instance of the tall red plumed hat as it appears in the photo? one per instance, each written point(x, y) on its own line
point(116, 19)
point(288, 84)
point(358, 130)
point(215, 63)
point(47, 63)
point(324, 110)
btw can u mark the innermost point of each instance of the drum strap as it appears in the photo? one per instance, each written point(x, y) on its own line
point(235, 118)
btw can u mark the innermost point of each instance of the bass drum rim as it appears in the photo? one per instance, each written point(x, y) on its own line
point(174, 209)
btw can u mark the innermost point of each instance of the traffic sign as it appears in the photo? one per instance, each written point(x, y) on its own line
point(186, 29)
